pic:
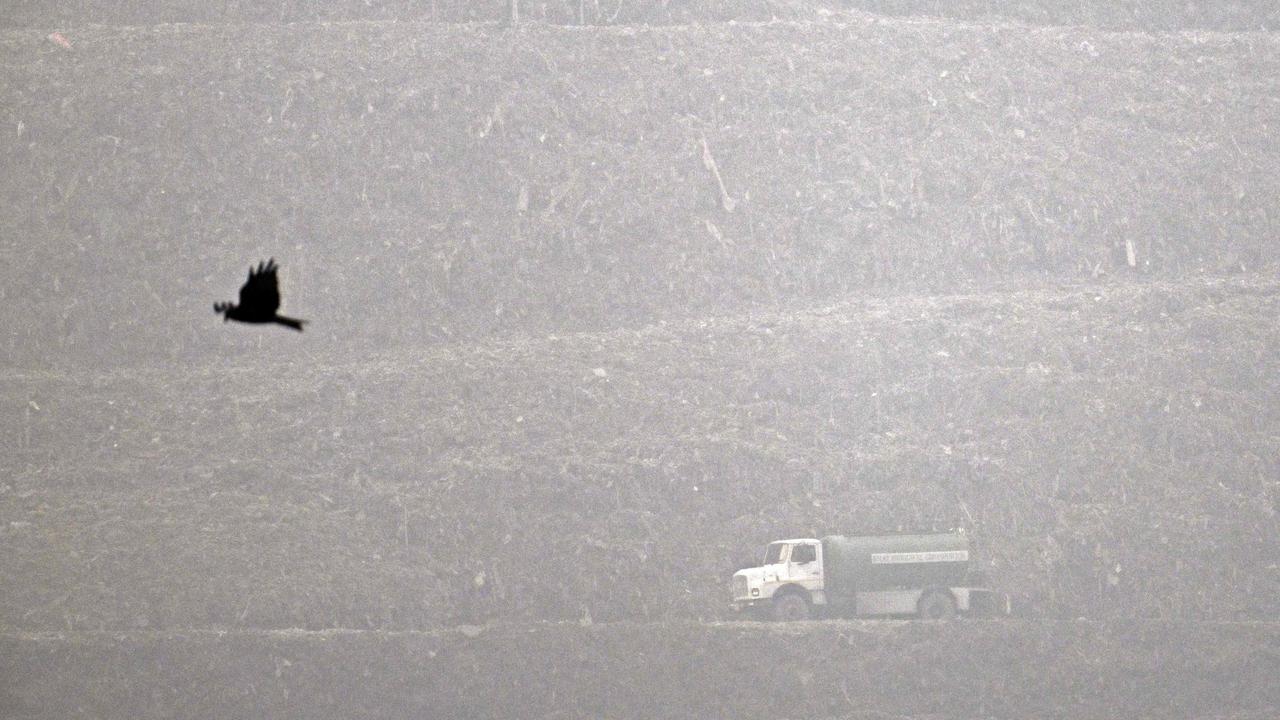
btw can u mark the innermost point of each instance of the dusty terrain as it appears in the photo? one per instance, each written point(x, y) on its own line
point(856, 671)
point(596, 312)
point(622, 475)
point(421, 184)
point(1234, 15)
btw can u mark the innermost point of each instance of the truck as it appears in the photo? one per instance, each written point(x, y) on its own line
point(927, 575)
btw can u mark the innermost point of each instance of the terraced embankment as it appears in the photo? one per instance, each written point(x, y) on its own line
point(621, 475)
point(1111, 14)
point(423, 183)
point(596, 313)
point(861, 671)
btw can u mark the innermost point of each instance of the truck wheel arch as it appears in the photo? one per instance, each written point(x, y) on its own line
point(793, 589)
point(785, 607)
point(936, 603)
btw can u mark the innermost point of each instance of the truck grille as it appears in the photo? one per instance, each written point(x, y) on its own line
point(739, 587)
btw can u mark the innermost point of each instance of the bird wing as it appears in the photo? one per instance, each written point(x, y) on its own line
point(261, 292)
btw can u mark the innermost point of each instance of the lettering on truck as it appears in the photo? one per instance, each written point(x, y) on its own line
point(919, 557)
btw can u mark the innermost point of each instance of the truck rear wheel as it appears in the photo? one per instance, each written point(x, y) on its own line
point(936, 605)
point(790, 607)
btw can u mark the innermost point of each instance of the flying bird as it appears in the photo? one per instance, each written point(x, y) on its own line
point(259, 299)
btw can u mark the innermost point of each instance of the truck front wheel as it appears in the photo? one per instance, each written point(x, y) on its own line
point(790, 607)
point(936, 605)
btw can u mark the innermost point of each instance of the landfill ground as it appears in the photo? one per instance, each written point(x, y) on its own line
point(596, 310)
point(1072, 670)
point(1110, 447)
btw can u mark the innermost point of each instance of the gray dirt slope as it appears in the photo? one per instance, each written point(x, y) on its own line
point(1019, 279)
point(423, 183)
point(1016, 279)
point(1166, 15)
point(621, 475)
point(859, 671)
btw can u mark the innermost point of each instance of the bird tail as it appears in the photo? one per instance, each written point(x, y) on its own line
point(290, 322)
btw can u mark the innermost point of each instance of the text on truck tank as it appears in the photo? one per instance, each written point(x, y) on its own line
point(902, 558)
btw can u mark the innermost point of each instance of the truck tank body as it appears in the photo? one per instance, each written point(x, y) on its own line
point(870, 563)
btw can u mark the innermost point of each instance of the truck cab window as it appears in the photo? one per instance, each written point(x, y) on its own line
point(804, 554)
point(773, 554)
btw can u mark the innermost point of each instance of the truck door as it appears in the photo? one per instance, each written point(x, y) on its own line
point(803, 566)
point(775, 566)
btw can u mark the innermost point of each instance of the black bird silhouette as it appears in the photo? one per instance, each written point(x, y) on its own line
point(259, 299)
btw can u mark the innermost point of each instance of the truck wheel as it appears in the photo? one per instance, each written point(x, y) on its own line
point(936, 605)
point(790, 607)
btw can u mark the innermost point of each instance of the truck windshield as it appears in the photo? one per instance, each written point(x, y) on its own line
point(773, 553)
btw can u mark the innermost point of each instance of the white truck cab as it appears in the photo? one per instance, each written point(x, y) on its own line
point(789, 565)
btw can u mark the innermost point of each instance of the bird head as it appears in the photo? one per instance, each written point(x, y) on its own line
point(223, 309)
